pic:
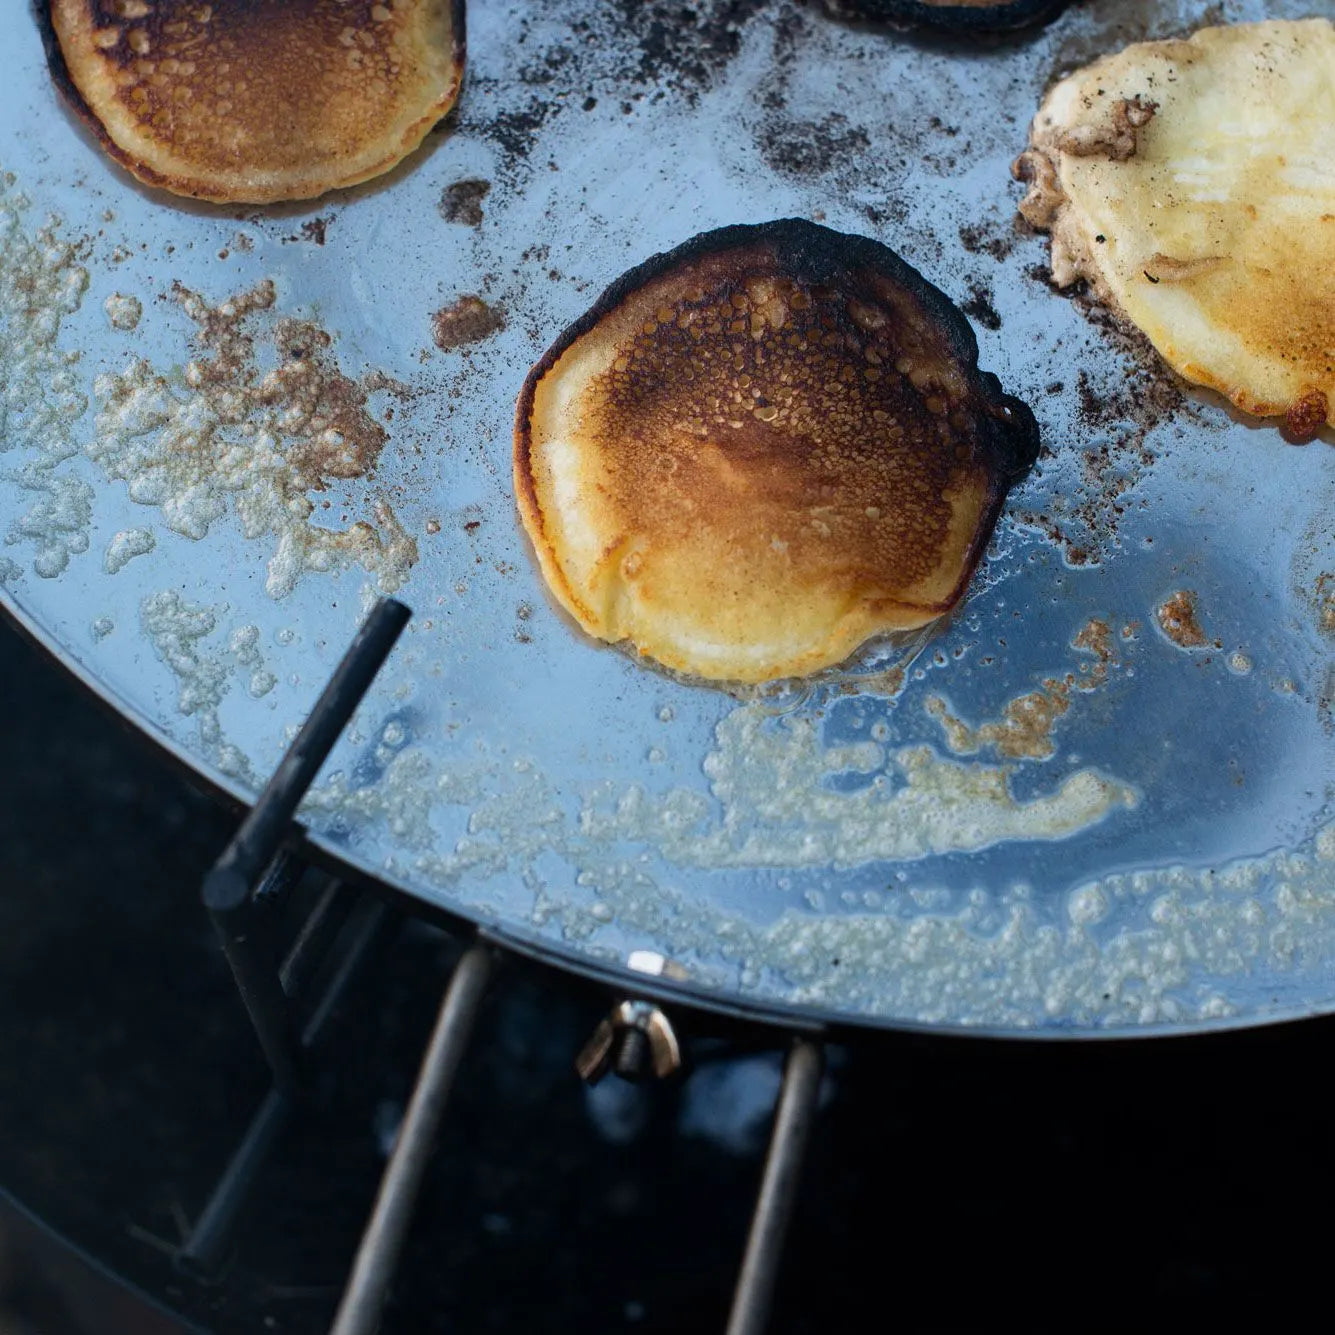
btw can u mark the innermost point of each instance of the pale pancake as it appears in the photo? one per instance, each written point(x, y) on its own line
point(1192, 183)
point(252, 101)
point(761, 449)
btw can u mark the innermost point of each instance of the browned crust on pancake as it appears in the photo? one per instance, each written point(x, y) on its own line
point(992, 437)
point(198, 184)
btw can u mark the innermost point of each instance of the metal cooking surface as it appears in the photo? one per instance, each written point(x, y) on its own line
point(1061, 818)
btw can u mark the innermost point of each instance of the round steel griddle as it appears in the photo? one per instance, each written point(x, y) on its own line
point(1170, 865)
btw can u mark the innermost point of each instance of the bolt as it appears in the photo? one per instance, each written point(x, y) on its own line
point(633, 1057)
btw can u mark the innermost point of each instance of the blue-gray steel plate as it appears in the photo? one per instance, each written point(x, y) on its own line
point(1062, 820)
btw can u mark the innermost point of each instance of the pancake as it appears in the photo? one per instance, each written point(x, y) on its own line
point(1192, 185)
point(960, 15)
point(759, 450)
point(253, 101)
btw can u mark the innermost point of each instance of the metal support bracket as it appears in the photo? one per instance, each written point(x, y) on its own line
point(233, 885)
point(253, 871)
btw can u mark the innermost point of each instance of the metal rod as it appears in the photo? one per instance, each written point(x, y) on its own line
point(282, 873)
point(378, 1255)
point(320, 928)
point(201, 1254)
point(793, 1121)
point(253, 846)
point(244, 930)
point(372, 926)
point(229, 889)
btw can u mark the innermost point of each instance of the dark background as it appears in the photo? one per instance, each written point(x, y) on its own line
point(1157, 1184)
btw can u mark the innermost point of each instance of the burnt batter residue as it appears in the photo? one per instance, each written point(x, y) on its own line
point(261, 416)
point(1178, 619)
point(462, 202)
point(1025, 727)
point(468, 320)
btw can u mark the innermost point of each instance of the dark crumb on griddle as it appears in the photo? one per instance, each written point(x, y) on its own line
point(462, 202)
point(469, 320)
point(980, 309)
point(683, 47)
point(1117, 420)
point(977, 240)
point(514, 132)
point(1091, 406)
point(1151, 394)
point(810, 148)
point(972, 19)
point(315, 229)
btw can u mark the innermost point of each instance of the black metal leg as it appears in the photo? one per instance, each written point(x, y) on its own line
point(244, 932)
point(229, 890)
point(378, 1255)
point(793, 1121)
point(253, 869)
point(202, 1253)
point(266, 825)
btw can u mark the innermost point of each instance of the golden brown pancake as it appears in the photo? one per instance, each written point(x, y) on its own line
point(762, 448)
point(961, 15)
point(1191, 183)
point(252, 101)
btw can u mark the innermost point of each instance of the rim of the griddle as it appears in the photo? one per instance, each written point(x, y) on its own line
point(49, 1234)
point(693, 993)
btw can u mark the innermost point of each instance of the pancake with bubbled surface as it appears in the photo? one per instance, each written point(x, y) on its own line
point(254, 101)
point(759, 450)
point(1192, 185)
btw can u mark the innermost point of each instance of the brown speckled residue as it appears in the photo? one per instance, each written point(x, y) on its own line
point(811, 149)
point(468, 320)
point(1024, 730)
point(1324, 598)
point(888, 682)
point(684, 48)
point(330, 432)
point(980, 239)
point(260, 416)
point(1095, 637)
point(1085, 523)
point(1177, 618)
point(462, 202)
